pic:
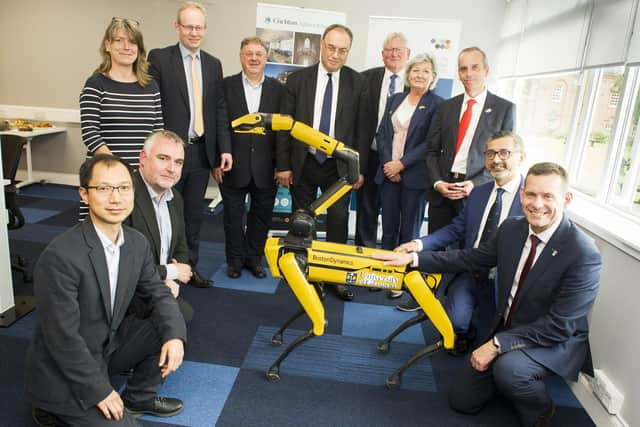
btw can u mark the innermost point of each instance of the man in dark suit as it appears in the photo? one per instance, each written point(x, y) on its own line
point(459, 130)
point(332, 98)
point(488, 205)
point(548, 273)
point(193, 107)
point(84, 281)
point(383, 82)
point(253, 171)
point(158, 215)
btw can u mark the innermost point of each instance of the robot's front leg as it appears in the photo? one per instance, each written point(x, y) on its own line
point(277, 338)
point(310, 301)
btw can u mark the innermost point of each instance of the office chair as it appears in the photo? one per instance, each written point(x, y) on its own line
point(12, 147)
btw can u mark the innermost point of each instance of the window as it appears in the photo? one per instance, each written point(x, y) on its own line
point(614, 97)
point(556, 94)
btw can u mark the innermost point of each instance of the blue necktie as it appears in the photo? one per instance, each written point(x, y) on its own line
point(392, 84)
point(493, 219)
point(325, 117)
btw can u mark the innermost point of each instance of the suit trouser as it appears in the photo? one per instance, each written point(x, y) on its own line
point(192, 186)
point(464, 294)
point(513, 375)
point(402, 213)
point(368, 197)
point(246, 247)
point(304, 192)
point(139, 349)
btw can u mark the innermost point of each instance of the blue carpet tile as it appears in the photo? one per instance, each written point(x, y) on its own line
point(36, 232)
point(204, 389)
point(211, 257)
point(338, 358)
point(246, 282)
point(51, 191)
point(378, 321)
point(33, 215)
point(23, 328)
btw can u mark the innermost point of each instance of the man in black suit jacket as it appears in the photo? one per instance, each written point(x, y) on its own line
point(383, 82)
point(254, 167)
point(158, 215)
point(84, 281)
point(548, 274)
point(455, 157)
point(193, 107)
point(346, 120)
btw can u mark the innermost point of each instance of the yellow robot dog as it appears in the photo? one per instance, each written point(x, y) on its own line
point(299, 260)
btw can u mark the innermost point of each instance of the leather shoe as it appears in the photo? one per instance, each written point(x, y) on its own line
point(197, 281)
point(158, 407)
point(257, 271)
point(233, 272)
point(545, 420)
point(44, 418)
point(460, 348)
point(343, 293)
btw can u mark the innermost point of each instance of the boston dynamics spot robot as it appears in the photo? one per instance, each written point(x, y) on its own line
point(303, 262)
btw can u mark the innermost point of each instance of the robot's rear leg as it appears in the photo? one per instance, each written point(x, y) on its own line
point(384, 345)
point(273, 373)
point(395, 378)
point(277, 338)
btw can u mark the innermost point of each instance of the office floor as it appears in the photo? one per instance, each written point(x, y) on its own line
point(333, 380)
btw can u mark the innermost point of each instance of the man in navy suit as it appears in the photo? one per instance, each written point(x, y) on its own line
point(548, 273)
point(193, 106)
point(459, 130)
point(254, 165)
point(383, 82)
point(332, 98)
point(474, 225)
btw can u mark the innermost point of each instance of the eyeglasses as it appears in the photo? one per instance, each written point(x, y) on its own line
point(192, 28)
point(503, 154)
point(130, 22)
point(341, 51)
point(394, 50)
point(104, 189)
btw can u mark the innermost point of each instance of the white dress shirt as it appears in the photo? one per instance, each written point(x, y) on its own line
point(384, 96)
point(511, 189)
point(252, 93)
point(460, 161)
point(321, 85)
point(112, 256)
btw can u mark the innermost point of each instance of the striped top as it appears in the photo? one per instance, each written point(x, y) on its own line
point(120, 115)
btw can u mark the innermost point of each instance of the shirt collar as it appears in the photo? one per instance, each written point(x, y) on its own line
point(511, 186)
point(167, 196)
point(480, 98)
point(545, 236)
point(107, 244)
point(246, 81)
point(186, 52)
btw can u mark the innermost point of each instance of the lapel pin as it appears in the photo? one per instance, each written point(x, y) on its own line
point(487, 111)
point(422, 107)
point(554, 252)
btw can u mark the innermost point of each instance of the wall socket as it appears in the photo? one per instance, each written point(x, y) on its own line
point(606, 392)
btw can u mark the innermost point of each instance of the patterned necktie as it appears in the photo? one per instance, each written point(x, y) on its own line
point(525, 271)
point(464, 123)
point(392, 84)
point(198, 123)
point(325, 116)
point(493, 219)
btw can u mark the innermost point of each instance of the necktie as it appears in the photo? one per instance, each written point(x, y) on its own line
point(392, 84)
point(198, 124)
point(493, 219)
point(325, 116)
point(464, 123)
point(525, 271)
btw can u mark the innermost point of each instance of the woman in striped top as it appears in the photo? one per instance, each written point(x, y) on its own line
point(120, 102)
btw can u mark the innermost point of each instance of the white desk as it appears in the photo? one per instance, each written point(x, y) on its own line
point(29, 136)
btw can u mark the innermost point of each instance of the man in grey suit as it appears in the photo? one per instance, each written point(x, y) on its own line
point(159, 215)
point(383, 82)
point(84, 281)
point(459, 130)
point(548, 274)
point(332, 98)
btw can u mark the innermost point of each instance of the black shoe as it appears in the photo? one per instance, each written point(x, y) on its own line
point(409, 305)
point(158, 407)
point(460, 348)
point(545, 420)
point(197, 281)
point(233, 272)
point(44, 418)
point(343, 293)
point(257, 271)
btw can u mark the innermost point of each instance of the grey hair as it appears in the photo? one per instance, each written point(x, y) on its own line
point(420, 59)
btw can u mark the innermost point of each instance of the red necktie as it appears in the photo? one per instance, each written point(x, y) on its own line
point(525, 270)
point(464, 123)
